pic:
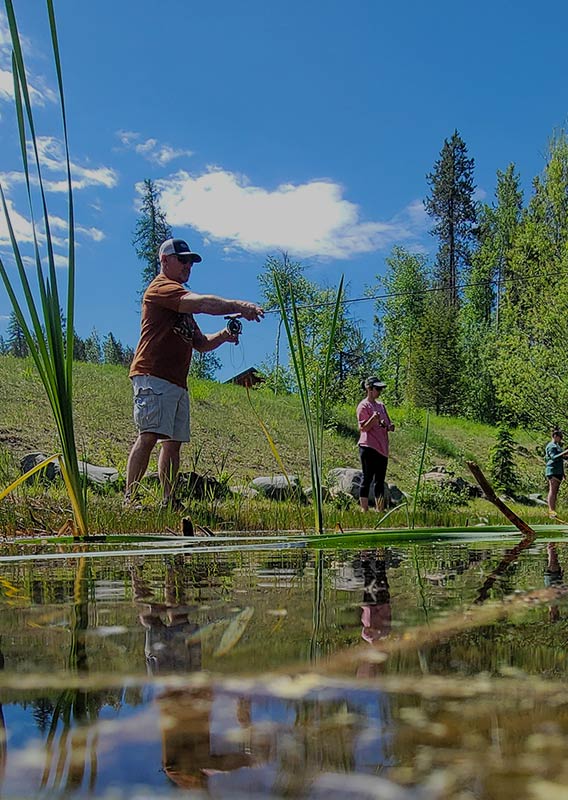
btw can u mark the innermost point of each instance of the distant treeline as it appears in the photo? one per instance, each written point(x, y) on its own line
point(480, 330)
point(108, 350)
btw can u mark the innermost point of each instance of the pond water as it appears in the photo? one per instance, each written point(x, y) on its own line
point(433, 670)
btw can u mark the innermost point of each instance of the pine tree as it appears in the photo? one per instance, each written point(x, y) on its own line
point(507, 216)
point(438, 357)
point(78, 348)
point(112, 352)
point(151, 230)
point(452, 207)
point(502, 463)
point(531, 360)
point(15, 339)
point(93, 350)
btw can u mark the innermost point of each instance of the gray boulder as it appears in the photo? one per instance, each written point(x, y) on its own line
point(347, 480)
point(441, 477)
point(537, 499)
point(278, 487)
point(96, 475)
point(326, 494)
point(396, 495)
point(244, 491)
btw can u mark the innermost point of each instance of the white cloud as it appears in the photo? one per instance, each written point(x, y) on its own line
point(311, 219)
point(52, 159)
point(6, 85)
point(39, 91)
point(93, 233)
point(151, 149)
point(23, 232)
point(60, 224)
point(22, 227)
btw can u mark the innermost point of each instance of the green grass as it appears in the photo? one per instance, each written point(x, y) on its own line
point(228, 443)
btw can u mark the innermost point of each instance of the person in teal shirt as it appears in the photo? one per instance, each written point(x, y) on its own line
point(554, 456)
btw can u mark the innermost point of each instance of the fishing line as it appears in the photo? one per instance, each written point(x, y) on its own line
point(496, 282)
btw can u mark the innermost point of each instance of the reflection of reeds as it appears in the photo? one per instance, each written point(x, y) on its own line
point(312, 389)
point(50, 346)
point(76, 709)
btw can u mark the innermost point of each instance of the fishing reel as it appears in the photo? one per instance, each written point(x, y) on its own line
point(234, 325)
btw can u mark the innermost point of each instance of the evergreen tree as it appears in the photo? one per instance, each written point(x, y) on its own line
point(502, 463)
point(452, 208)
point(3, 346)
point(42, 712)
point(151, 230)
point(507, 216)
point(79, 348)
point(531, 360)
point(438, 357)
point(93, 350)
point(15, 339)
point(476, 320)
point(127, 355)
point(112, 352)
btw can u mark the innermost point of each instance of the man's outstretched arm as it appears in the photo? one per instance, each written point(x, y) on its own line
point(192, 303)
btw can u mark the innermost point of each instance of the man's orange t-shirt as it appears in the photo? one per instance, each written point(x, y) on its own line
point(166, 337)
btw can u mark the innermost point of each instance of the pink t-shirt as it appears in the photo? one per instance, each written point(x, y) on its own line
point(376, 436)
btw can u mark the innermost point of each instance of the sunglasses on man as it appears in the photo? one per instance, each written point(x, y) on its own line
point(185, 259)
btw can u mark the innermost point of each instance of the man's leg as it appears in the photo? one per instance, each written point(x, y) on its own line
point(138, 462)
point(168, 467)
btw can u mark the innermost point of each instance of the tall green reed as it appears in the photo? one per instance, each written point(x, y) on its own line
point(420, 468)
point(312, 389)
point(50, 346)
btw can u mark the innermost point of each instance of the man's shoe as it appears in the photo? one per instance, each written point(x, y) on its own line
point(172, 504)
point(131, 504)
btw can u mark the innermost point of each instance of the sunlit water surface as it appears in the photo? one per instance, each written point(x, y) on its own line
point(393, 672)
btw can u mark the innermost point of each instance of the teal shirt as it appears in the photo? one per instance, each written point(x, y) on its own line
point(554, 466)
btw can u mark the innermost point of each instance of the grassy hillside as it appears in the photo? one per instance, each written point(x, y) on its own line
point(227, 440)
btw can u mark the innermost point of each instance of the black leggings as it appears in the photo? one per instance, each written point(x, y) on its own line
point(374, 465)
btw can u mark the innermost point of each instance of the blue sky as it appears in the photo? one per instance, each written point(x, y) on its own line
point(303, 126)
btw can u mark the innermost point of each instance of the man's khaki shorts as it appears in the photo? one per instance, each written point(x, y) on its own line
point(161, 407)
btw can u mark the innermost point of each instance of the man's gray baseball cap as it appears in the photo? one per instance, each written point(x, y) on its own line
point(178, 247)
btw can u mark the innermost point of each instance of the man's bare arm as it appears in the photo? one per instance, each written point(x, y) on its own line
point(192, 303)
point(205, 342)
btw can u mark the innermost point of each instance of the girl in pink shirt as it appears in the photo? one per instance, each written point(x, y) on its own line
point(374, 425)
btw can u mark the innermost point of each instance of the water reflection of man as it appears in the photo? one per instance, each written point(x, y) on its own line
point(171, 643)
point(204, 732)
